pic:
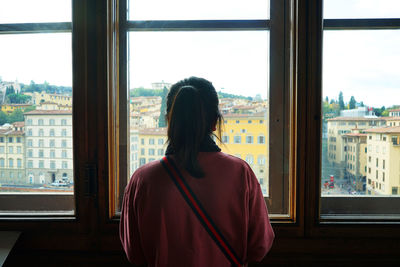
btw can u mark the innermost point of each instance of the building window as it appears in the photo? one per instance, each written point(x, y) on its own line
point(142, 141)
point(249, 139)
point(142, 161)
point(19, 150)
point(261, 139)
point(41, 153)
point(41, 163)
point(30, 163)
point(51, 132)
point(64, 143)
point(394, 190)
point(52, 143)
point(249, 121)
point(40, 122)
point(30, 153)
point(29, 122)
point(29, 143)
point(383, 164)
point(65, 165)
point(249, 159)
point(19, 140)
point(63, 122)
point(151, 152)
point(10, 139)
point(1, 162)
point(377, 162)
point(11, 150)
point(52, 164)
point(261, 160)
point(10, 163)
point(383, 176)
point(225, 139)
point(142, 151)
point(237, 139)
point(160, 152)
point(52, 154)
point(237, 122)
point(151, 141)
point(52, 122)
point(41, 143)
point(64, 153)
point(64, 132)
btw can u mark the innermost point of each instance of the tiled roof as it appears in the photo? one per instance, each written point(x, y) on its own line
point(153, 131)
point(356, 119)
point(395, 129)
point(254, 115)
point(392, 118)
point(19, 124)
point(48, 112)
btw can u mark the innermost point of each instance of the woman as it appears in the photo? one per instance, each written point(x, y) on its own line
point(224, 223)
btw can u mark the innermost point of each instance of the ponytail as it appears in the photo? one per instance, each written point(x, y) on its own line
point(187, 127)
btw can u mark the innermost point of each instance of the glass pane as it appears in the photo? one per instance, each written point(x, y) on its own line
point(26, 11)
point(339, 9)
point(237, 63)
point(36, 121)
point(361, 118)
point(197, 10)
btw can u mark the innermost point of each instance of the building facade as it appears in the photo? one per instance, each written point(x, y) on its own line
point(48, 143)
point(356, 159)
point(151, 145)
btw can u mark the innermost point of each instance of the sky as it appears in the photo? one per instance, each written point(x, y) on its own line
point(235, 62)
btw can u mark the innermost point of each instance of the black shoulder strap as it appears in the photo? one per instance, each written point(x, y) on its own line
point(199, 211)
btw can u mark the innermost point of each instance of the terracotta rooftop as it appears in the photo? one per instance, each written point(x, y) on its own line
point(153, 131)
point(48, 112)
point(395, 129)
point(356, 119)
point(392, 118)
point(19, 124)
point(254, 115)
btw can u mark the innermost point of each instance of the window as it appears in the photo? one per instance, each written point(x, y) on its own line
point(63, 122)
point(142, 151)
point(65, 165)
point(363, 47)
point(41, 143)
point(40, 122)
point(51, 132)
point(41, 153)
point(41, 132)
point(64, 132)
point(10, 163)
point(151, 151)
point(64, 153)
point(1, 162)
point(30, 143)
point(63, 143)
point(160, 152)
point(29, 122)
point(160, 141)
point(249, 139)
point(30, 153)
point(10, 149)
point(237, 139)
point(52, 154)
point(151, 141)
point(261, 139)
point(225, 139)
point(10, 139)
point(52, 143)
point(19, 163)
point(19, 140)
point(52, 122)
point(30, 163)
point(52, 164)
point(41, 163)
point(19, 150)
point(250, 159)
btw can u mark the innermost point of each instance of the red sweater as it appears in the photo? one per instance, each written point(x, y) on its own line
point(158, 228)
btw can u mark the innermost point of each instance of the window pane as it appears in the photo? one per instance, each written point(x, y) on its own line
point(29, 11)
point(197, 10)
point(336, 9)
point(36, 89)
point(361, 125)
point(237, 63)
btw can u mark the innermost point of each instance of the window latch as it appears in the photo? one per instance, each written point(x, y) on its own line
point(90, 180)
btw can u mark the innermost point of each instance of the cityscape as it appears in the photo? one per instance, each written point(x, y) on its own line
point(360, 144)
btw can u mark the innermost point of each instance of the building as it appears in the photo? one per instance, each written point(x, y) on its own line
point(358, 112)
point(394, 113)
point(48, 145)
point(9, 108)
point(339, 126)
point(12, 169)
point(383, 152)
point(152, 144)
point(355, 154)
point(133, 150)
point(246, 136)
point(62, 100)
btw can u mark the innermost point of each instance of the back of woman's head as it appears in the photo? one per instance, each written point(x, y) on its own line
point(192, 113)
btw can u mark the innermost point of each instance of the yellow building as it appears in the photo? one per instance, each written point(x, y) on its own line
point(383, 152)
point(9, 108)
point(356, 158)
point(151, 144)
point(62, 100)
point(246, 136)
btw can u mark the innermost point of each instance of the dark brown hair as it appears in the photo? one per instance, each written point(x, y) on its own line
point(192, 111)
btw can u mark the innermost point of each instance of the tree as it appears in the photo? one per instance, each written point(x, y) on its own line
point(10, 90)
point(3, 118)
point(30, 108)
point(362, 104)
point(352, 104)
point(18, 98)
point(327, 99)
point(341, 102)
point(16, 115)
point(162, 120)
